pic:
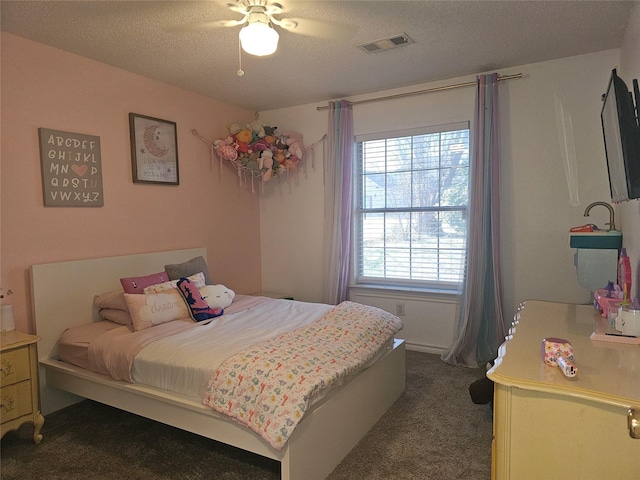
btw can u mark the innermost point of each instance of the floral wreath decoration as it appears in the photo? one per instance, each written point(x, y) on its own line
point(258, 150)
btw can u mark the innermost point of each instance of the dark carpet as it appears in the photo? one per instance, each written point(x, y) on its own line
point(433, 431)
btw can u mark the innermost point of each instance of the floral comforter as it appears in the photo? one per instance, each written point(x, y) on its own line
point(268, 388)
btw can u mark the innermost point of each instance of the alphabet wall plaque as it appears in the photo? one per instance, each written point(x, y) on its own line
point(71, 169)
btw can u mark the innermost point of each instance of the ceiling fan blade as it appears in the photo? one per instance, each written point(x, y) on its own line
point(197, 27)
point(318, 28)
point(273, 9)
point(239, 8)
point(232, 23)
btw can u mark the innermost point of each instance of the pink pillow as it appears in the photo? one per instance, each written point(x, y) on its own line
point(114, 300)
point(112, 306)
point(116, 316)
point(137, 284)
point(198, 279)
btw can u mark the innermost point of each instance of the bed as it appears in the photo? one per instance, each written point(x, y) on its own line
point(336, 423)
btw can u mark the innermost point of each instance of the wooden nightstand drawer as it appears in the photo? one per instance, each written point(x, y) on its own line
point(15, 366)
point(15, 401)
point(19, 384)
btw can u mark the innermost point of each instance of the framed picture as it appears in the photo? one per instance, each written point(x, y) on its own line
point(71, 169)
point(154, 150)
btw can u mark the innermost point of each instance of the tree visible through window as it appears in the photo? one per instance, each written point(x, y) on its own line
point(413, 194)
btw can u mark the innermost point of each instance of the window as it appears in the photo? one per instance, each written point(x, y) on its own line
point(412, 199)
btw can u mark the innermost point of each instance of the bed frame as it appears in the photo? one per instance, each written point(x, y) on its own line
point(63, 297)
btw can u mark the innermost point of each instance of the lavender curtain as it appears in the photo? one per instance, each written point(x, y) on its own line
point(338, 177)
point(480, 329)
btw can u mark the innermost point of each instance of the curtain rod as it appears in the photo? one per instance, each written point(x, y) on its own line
point(420, 92)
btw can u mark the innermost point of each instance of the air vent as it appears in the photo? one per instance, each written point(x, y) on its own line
point(387, 43)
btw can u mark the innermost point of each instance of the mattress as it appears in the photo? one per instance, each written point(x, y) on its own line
point(181, 356)
point(264, 362)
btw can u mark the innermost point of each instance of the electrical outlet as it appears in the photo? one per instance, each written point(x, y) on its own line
point(400, 309)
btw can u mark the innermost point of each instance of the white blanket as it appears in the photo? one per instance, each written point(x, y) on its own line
point(183, 363)
point(270, 386)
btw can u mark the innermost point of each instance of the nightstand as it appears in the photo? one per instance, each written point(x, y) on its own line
point(19, 384)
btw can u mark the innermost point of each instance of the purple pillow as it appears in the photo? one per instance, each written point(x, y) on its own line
point(138, 284)
point(198, 306)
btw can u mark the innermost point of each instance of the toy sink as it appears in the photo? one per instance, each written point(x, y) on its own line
point(602, 239)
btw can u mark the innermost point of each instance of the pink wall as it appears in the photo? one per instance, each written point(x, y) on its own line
point(46, 87)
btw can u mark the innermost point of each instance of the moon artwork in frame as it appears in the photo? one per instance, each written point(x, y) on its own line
point(154, 150)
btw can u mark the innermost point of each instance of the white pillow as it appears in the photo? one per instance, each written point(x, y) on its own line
point(149, 310)
point(217, 296)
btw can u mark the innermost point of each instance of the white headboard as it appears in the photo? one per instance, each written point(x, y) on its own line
point(63, 292)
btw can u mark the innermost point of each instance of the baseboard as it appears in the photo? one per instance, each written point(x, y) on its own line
point(419, 347)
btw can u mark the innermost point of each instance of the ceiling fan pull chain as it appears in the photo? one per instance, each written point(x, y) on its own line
point(240, 72)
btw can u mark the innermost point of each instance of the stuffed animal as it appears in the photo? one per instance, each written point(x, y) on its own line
point(253, 165)
point(281, 143)
point(224, 141)
point(267, 159)
point(225, 148)
point(295, 144)
point(257, 127)
point(227, 152)
point(257, 149)
point(217, 296)
point(290, 163)
point(242, 147)
point(260, 145)
point(244, 159)
point(244, 136)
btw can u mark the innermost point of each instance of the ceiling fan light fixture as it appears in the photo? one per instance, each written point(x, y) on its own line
point(259, 38)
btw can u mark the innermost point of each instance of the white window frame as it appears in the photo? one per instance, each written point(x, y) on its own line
point(396, 284)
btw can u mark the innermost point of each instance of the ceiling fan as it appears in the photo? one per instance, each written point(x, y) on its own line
point(258, 35)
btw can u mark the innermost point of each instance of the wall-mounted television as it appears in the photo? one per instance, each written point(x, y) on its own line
point(621, 130)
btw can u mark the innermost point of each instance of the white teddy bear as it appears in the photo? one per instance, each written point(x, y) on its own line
point(257, 127)
point(217, 296)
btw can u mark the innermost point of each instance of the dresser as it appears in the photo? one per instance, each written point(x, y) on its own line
point(547, 425)
point(19, 384)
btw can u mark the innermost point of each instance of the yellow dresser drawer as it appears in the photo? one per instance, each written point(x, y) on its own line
point(19, 383)
point(15, 401)
point(15, 366)
point(545, 422)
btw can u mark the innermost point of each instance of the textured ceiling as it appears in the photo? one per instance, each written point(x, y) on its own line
point(452, 38)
